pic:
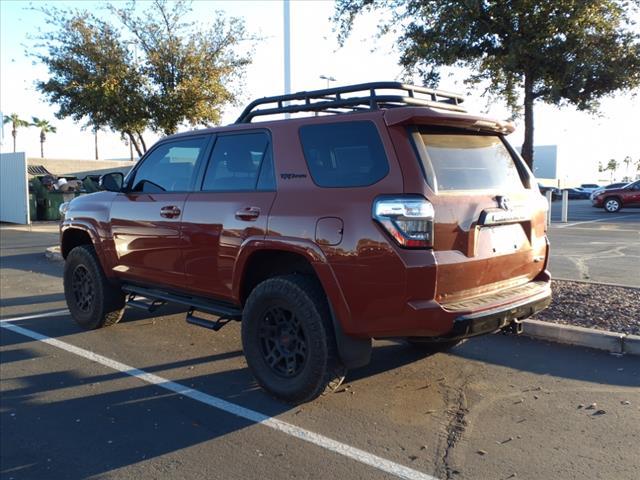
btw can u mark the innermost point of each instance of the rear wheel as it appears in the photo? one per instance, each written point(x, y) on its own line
point(288, 339)
point(612, 204)
point(92, 300)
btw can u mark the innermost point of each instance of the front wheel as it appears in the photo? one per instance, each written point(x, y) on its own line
point(92, 300)
point(612, 205)
point(288, 339)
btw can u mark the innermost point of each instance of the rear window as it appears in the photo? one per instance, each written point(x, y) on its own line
point(345, 154)
point(466, 161)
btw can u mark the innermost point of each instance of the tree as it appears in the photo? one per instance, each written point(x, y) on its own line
point(612, 166)
point(45, 127)
point(16, 123)
point(176, 72)
point(554, 51)
point(627, 162)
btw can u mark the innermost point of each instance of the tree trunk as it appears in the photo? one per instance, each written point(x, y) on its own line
point(144, 145)
point(14, 134)
point(134, 143)
point(527, 146)
point(42, 139)
point(95, 141)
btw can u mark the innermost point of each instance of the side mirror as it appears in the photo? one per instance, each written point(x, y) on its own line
point(112, 182)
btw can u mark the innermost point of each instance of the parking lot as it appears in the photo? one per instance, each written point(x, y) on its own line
point(153, 397)
point(595, 245)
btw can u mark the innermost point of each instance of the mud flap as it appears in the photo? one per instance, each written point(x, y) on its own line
point(354, 352)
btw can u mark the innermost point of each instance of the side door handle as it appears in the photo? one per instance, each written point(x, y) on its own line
point(170, 211)
point(248, 214)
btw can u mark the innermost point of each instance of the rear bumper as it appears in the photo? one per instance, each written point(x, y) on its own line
point(473, 316)
point(489, 321)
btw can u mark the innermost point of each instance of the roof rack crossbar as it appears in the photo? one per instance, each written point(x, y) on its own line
point(333, 100)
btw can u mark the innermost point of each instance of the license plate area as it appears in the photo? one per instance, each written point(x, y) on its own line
point(504, 239)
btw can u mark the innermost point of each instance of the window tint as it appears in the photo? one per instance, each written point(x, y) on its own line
point(236, 163)
point(464, 161)
point(346, 154)
point(170, 167)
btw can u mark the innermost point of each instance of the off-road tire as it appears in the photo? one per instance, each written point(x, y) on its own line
point(612, 204)
point(102, 303)
point(426, 345)
point(321, 371)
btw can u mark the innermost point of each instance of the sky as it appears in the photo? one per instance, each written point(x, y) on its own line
point(583, 140)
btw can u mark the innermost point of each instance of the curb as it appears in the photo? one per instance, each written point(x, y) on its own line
point(585, 337)
point(592, 282)
point(53, 254)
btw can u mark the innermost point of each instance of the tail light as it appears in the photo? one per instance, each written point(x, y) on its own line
point(408, 219)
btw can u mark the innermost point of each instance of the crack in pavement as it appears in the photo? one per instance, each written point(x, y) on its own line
point(580, 260)
point(455, 428)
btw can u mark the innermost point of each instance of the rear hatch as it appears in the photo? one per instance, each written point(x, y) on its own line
point(489, 224)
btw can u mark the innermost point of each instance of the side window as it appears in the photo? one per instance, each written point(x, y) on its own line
point(345, 154)
point(240, 162)
point(170, 167)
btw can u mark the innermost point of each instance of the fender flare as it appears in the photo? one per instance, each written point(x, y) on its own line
point(96, 241)
point(354, 351)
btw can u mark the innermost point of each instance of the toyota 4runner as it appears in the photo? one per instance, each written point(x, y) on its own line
point(387, 211)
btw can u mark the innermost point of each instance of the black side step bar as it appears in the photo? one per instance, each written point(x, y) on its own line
point(160, 297)
point(214, 325)
point(150, 306)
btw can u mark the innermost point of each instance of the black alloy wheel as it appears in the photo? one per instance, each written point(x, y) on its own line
point(282, 342)
point(83, 288)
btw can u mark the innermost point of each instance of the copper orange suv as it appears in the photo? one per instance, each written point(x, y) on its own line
point(380, 210)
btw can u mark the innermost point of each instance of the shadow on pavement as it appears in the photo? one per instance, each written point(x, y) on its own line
point(115, 425)
point(551, 359)
point(31, 300)
point(32, 262)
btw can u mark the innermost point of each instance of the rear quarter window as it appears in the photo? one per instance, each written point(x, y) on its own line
point(345, 154)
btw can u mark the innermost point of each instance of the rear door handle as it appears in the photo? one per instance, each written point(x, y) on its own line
point(248, 214)
point(170, 211)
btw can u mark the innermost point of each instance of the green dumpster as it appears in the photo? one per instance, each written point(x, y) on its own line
point(33, 207)
point(52, 202)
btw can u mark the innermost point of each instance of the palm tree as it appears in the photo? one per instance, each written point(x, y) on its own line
point(16, 123)
point(45, 127)
point(612, 166)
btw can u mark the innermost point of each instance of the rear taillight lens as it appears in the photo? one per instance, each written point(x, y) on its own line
point(408, 219)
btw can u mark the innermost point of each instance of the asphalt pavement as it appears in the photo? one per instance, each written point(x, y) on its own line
point(594, 245)
point(154, 397)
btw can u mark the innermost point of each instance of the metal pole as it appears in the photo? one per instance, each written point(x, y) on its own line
point(287, 50)
point(565, 205)
point(549, 195)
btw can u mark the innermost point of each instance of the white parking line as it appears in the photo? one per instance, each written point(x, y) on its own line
point(300, 433)
point(37, 315)
point(605, 219)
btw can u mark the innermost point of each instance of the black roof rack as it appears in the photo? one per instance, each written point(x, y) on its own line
point(350, 98)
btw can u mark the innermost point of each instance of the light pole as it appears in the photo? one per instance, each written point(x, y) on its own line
point(328, 78)
point(287, 50)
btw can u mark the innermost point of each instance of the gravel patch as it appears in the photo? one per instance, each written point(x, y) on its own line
point(593, 305)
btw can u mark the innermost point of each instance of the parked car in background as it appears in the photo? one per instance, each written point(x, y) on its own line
point(614, 199)
point(577, 194)
point(589, 187)
point(608, 187)
point(555, 193)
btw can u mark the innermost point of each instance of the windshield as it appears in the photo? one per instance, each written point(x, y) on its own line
point(467, 161)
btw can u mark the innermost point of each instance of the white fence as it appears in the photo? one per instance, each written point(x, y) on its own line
point(14, 188)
